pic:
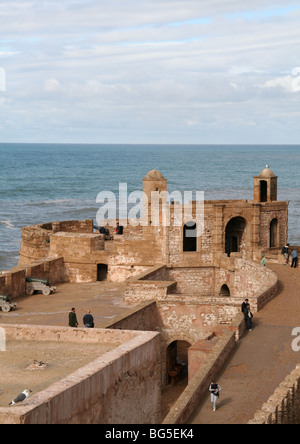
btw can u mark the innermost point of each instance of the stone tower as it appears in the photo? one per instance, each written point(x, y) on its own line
point(153, 182)
point(265, 186)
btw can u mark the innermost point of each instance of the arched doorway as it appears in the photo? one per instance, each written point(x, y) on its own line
point(235, 235)
point(190, 236)
point(274, 233)
point(177, 361)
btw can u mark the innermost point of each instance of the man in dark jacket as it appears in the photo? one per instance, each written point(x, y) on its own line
point(248, 317)
point(88, 320)
point(73, 319)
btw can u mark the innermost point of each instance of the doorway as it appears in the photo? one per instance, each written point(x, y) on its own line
point(102, 271)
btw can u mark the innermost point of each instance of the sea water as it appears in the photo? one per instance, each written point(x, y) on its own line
point(52, 182)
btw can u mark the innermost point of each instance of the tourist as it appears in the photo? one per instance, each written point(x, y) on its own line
point(119, 228)
point(285, 252)
point(263, 260)
point(244, 305)
point(294, 258)
point(214, 389)
point(88, 320)
point(248, 317)
point(73, 319)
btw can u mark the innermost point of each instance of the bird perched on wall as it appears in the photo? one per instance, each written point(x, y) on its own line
point(21, 397)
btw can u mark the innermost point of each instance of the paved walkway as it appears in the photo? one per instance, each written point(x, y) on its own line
point(262, 358)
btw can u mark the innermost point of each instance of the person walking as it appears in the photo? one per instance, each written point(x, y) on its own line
point(88, 320)
point(285, 252)
point(294, 258)
point(244, 305)
point(73, 319)
point(214, 389)
point(248, 317)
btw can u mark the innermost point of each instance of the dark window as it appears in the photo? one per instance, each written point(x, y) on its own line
point(263, 191)
point(190, 236)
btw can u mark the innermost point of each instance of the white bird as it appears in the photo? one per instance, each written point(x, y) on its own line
point(21, 397)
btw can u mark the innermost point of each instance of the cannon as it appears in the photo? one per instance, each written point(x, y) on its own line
point(5, 303)
point(35, 284)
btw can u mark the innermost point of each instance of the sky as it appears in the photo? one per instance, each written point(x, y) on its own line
point(150, 71)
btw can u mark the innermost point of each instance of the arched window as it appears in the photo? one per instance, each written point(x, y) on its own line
point(225, 291)
point(190, 236)
point(273, 233)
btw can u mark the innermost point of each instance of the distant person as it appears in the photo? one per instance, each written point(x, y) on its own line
point(119, 228)
point(263, 260)
point(214, 389)
point(73, 319)
point(244, 305)
point(248, 317)
point(88, 320)
point(294, 258)
point(285, 252)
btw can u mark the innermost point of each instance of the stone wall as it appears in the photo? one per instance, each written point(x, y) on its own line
point(199, 384)
point(283, 407)
point(120, 387)
point(13, 282)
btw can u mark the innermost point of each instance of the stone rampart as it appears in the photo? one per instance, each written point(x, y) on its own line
point(283, 407)
point(122, 386)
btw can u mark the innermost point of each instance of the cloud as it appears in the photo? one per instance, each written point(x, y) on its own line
point(170, 66)
point(290, 83)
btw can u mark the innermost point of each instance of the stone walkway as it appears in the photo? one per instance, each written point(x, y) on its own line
point(262, 358)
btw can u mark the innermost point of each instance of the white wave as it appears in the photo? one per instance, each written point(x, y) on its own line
point(8, 224)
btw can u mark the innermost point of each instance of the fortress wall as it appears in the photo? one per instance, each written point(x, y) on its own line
point(120, 273)
point(13, 282)
point(199, 384)
point(193, 280)
point(283, 407)
point(122, 386)
point(35, 239)
point(274, 210)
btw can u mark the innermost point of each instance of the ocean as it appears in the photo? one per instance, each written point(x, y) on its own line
point(51, 182)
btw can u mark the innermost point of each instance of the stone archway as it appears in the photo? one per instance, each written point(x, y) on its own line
point(235, 235)
point(177, 361)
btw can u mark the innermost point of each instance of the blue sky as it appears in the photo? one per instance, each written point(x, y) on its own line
point(141, 71)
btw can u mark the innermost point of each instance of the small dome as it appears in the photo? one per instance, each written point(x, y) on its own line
point(267, 172)
point(154, 175)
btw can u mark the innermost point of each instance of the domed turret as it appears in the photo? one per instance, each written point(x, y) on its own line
point(267, 173)
point(265, 186)
point(154, 175)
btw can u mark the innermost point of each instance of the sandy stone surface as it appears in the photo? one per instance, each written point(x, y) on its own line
point(62, 359)
point(104, 299)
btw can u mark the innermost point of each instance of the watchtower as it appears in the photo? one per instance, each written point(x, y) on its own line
point(265, 186)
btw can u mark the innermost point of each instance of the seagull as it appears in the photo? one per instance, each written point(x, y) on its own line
point(21, 397)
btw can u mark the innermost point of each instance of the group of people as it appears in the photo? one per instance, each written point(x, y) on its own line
point(88, 320)
point(286, 255)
